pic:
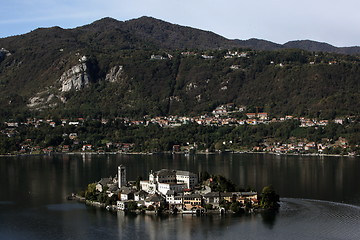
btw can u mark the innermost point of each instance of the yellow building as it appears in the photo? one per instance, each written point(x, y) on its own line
point(244, 197)
point(192, 201)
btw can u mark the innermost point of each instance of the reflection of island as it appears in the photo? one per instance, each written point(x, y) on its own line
point(174, 191)
point(269, 217)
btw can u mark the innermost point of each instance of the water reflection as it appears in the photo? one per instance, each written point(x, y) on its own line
point(34, 189)
point(327, 178)
point(269, 218)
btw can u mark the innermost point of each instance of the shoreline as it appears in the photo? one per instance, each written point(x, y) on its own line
point(167, 152)
point(196, 212)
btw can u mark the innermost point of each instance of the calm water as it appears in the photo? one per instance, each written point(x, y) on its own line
point(320, 198)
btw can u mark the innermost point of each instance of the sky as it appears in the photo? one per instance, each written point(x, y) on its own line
point(335, 22)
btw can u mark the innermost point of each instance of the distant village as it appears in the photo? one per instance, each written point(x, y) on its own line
point(222, 115)
point(237, 54)
point(174, 191)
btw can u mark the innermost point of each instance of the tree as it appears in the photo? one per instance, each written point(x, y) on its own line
point(204, 176)
point(112, 200)
point(224, 204)
point(221, 184)
point(269, 198)
point(90, 192)
point(236, 207)
point(102, 197)
point(208, 206)
point(132, 206)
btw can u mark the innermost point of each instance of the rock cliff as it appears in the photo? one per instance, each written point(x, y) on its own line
point(115, 74)
point(75, 78)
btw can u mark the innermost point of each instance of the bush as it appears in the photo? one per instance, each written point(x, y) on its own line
point(208, 206)
point(102, 197)
point(225, 204)
point(112, 200)
point(236, 207)
point(90, 192)
point(132, 206)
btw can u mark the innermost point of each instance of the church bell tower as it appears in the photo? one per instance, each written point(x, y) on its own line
point(121, 176)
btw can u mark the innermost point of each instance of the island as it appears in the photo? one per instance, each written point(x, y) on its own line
point(170, 191)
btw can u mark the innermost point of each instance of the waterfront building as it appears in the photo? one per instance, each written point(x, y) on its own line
point(155, 200)
point(227, 196)
point(244, 197)
point(122, 205)
point(175, 200)
point(212, 198)
point(192, 201)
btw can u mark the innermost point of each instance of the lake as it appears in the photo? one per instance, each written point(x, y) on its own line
point(320, 197)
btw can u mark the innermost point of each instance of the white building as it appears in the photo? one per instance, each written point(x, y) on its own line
point(190, 179)
point(174, 199)
point(122, 205)
point(165, 180)
point(163, 188)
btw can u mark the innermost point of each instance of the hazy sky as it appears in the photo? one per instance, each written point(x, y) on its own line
point(335, 22)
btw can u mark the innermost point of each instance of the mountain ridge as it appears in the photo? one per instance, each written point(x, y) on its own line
point(148, 66)
point(253, 43)
point(175, 36)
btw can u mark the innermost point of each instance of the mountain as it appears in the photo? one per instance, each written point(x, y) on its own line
point(309, 45)
point(161, 34)
point(138, 67)
point(259, 44)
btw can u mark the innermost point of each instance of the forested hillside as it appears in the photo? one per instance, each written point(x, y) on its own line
point(149, 67)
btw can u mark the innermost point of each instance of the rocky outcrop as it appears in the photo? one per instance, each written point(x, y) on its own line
point(115, 74)
point(75, 78)
point(43, 100)
point(4, 53)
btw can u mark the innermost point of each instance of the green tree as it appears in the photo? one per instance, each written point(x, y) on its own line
point(269, 198)
point(236, 207)
point(204, 175)
point(208, 206)
point(102, 197)
point(132, 206)
point(112, 200)
point(221, 184)
point(90, 192)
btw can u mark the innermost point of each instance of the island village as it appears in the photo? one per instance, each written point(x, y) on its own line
point(172, 191)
